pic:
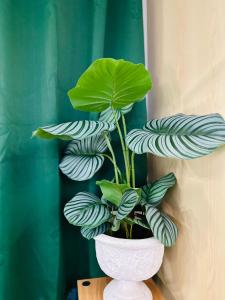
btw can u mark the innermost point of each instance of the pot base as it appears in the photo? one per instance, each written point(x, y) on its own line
point(127, 290)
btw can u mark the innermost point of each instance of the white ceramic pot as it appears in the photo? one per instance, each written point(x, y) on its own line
point(129, 262)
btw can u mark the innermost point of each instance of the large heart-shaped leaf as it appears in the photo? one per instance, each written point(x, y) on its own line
point(73, 130)
point(110, 83)
point(109, 115)
point(179, 136)
point(154, 192)
point(129, 200)
point(83, 158)
point(85, 209)
point(90, 233)
point(162, 227)
point(112, 191)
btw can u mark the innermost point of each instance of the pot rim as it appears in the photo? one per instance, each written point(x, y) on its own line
point(127, 243)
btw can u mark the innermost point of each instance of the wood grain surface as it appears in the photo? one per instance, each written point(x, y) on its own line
point(187, 60)
point(94, 291)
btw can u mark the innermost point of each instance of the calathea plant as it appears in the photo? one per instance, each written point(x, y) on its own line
point(111, 87)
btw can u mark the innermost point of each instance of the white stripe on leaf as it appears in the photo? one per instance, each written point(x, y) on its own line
point(129, 200)
point(179, 136)
point(154, 192)
point(83, 158)
point(90, 233)
point(162, 227)
point(73, 130)
point(109, 116)
point(85, 209)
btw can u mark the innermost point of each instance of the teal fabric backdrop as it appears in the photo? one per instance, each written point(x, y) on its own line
point(44, 47)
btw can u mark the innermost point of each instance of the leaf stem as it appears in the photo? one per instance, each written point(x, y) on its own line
point(133, 169)
point(113, 157)
point(131, 231)
point(126, 147)
point(124, 224)
point(126, 159)
point(110, 158)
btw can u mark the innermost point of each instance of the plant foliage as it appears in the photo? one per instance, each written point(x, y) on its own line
point(112, 87)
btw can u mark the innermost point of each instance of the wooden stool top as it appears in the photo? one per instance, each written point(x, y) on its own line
point(92, 289)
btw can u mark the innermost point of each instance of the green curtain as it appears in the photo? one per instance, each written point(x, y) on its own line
point(44, 47)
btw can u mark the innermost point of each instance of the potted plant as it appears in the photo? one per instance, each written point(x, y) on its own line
point(111, 87)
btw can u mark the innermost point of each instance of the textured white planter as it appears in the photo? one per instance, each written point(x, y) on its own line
point(129, 262)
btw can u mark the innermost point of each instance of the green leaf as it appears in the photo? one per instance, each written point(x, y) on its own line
point(137, 222)
point(129, 200)
point(179, 136)
point(109, 115)
point(73, 130)
point(112, 191)
point(110, 83)
point(90, 233)
point(83, 158)
point(154, 192)
point(162, 227)
point(85, 209)
point(116, 225)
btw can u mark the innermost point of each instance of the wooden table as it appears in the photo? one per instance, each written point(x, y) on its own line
point(92, 289)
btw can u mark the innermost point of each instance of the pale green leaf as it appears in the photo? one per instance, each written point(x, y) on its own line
point(110, 83)
point(112, 191)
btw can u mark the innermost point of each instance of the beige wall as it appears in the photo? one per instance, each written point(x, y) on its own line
point(186, 42)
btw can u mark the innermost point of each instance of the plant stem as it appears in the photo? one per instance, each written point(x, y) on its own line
point(124, 126)
point(126, 147)
point(126, 159)
point(133, 169)
point(110, 158)
point(126, 230)
point(113, 157)
point(131, 230)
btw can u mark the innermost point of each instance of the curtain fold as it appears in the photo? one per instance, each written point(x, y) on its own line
point(45, 45)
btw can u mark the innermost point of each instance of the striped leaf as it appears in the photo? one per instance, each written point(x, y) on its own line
point(162, 227)
point(73, 130)
point(110, 83)
point(83, 158)
point(179, 136)
point(109, 116)
point(154, 192)
point(90, 233)
point(137, 221)
point(85, 209)
point(129, 199)
point(116, 225)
